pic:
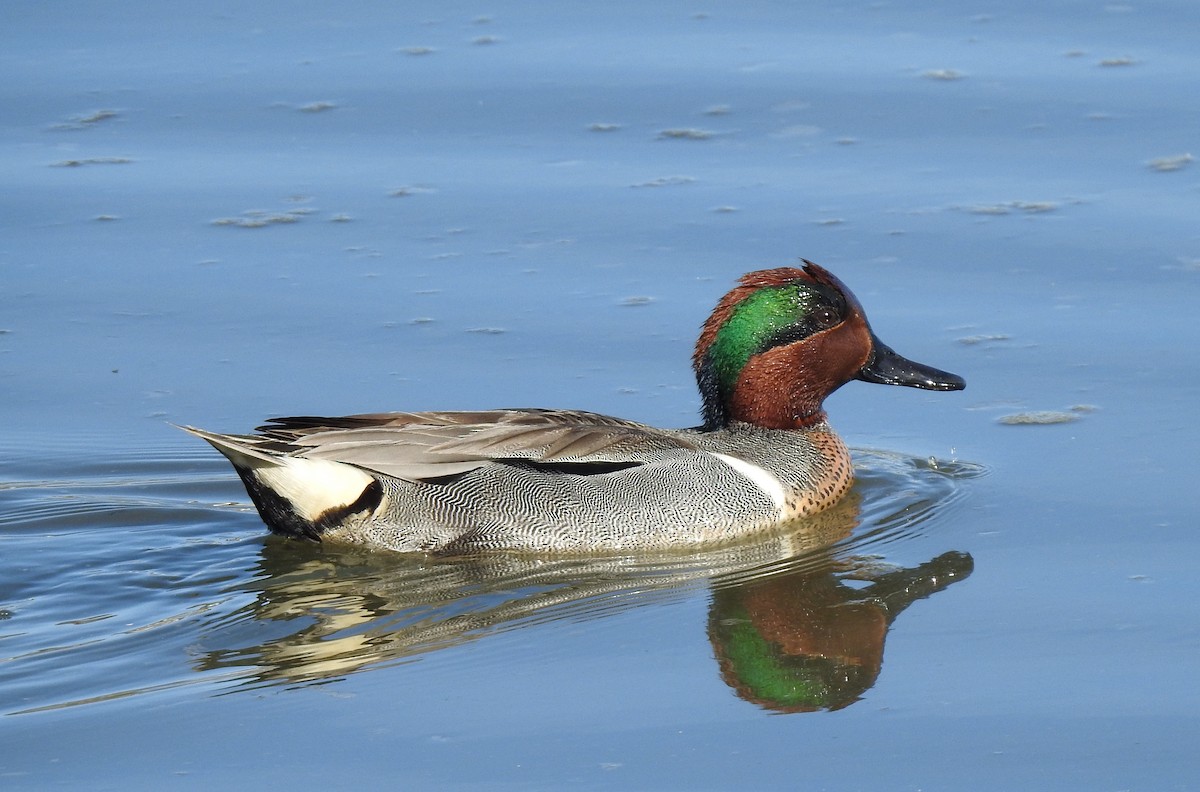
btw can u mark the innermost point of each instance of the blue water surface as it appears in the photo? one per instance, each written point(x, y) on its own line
point(220, 212)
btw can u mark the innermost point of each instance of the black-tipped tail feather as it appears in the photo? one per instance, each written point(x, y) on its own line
point(296, 496)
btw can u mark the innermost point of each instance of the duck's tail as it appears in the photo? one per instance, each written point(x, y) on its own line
point(295, 495)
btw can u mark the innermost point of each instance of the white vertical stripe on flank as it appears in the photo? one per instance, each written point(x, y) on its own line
point(762, 478)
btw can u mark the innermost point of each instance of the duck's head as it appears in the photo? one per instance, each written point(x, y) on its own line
point(783, 340)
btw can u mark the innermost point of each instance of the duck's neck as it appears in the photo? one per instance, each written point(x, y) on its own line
point(775, 390)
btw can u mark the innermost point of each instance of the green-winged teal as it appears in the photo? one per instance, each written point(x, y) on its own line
point(564, 481)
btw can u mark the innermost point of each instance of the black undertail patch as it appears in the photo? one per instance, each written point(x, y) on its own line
point(279, 515)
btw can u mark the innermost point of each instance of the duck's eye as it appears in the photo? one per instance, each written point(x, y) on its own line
point(825, 317)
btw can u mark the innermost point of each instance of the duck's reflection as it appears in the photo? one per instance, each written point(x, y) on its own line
point(797, 622)
point(805, 641)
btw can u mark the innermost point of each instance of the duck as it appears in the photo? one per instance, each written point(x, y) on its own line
point(553, 481)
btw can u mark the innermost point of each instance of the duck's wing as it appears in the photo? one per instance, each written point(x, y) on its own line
point(432, 445)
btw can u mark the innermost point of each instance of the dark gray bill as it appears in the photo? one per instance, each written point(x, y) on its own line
point(888, 368)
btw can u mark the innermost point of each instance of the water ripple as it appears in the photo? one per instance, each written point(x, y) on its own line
point(142, 572)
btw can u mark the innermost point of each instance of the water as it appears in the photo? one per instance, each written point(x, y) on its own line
point(217, 214)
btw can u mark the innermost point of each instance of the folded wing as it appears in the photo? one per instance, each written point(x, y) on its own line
point(431, 445)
